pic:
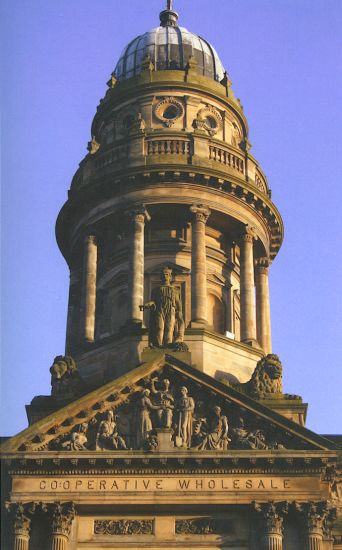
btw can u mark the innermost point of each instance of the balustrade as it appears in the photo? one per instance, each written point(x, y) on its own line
point(226, 157)
point(169, 147)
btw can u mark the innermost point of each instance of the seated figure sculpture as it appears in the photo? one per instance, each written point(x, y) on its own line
point(166, 315)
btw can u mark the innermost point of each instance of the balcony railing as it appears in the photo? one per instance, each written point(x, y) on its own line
point(169, 147)
point(227, 158)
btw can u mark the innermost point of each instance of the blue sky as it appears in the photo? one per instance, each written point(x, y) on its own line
point(284, 58)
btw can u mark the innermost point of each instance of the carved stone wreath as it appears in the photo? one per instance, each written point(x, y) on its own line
point(212, 119)
point(168, 111)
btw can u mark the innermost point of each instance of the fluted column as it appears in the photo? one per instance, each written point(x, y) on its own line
point(62, 516)
point(89, 289)
point(263, 312)
point(200, 216)
point(317, 518)
point(271, 519)
point(21, 514)
point(137, 217)
point(247, 290)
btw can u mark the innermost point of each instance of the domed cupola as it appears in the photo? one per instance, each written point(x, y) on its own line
point(169, 181)
point(169, 47)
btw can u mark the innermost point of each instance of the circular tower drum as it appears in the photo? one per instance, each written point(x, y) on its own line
point(169, 180)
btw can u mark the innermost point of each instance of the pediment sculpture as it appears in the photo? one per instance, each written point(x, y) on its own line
point(190, 417)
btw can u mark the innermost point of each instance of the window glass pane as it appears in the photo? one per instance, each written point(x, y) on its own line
point(187, 52)
point(150, 37)
point(198, 55)
point(118, 69)
point(174, 57)
point(129, 63)
point(133, 45)
point(162, 36)
point(161, 57)
point(173, 36)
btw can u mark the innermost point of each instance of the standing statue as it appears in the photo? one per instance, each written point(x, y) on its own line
point(165, 402)
point(144, 424)
point(107, 436)
point(185, 407)
point(166, 317)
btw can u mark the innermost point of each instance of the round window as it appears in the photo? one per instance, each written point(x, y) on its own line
point(210, 122)
point(171, 112)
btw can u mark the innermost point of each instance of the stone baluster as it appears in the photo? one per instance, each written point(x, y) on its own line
point(316, 518)
point(247, 291)
point(137, 216)
point(270, 518)
point(21, 514)
point(200, 216)
point(89, 289)
point(263, 313)
point(62, 516)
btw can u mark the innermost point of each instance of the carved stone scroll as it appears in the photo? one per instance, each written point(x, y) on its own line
point(123, 527)
point(203, 526)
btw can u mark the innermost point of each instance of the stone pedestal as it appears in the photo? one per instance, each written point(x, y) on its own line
point(247, 291)
point(137, 217)
point(89, 289)
point(200, 215)
point(263, 314)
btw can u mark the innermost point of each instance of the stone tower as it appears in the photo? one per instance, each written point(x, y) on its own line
point(167, 425)
point(169, 179)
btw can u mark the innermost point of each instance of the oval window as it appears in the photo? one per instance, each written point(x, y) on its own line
point(210, 122)
point(171, 112)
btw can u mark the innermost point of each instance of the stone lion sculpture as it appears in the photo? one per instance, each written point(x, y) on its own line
point(65, 379)
point(266, 379)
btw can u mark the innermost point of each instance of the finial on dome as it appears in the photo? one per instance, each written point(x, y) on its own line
point(168, 17)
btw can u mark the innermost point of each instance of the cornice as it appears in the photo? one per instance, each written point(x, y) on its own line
point(127, 180)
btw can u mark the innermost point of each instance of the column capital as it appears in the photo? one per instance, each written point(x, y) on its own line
point(62, 516)
point(138, 213)
point(200, 212)
point(272, 516)
point(90, 238)
point(317, 516)
point(262, 264)
point(248, 234)
point(22, 514)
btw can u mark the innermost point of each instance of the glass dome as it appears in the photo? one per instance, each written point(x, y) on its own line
point(169, 48)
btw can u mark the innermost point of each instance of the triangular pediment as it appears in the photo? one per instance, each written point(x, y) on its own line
point(165, 405)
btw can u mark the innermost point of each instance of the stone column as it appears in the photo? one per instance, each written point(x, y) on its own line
point(200, 216)
point(247, 291)
point(263, 313)
point(89, 289)
point(137, 217)
point(22, 514)
point(317, 518)
point(271, 517)
point(62, 516)
point(73, 311)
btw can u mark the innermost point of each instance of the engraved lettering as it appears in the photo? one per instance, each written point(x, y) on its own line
point(42, 485)
point(236, 484)
point(102, 484)
point(126, 482)
point(184, 483)
point(114, 486)
point(211, 484)
point(223, 486)
point(159, 485)
point(273, 486)
point(146, 484)
point(261, 484)
point(78, 483)
point(286, 484)
point(199, 483)
point(249, 484)
point(54, 485)
point(66, 485)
